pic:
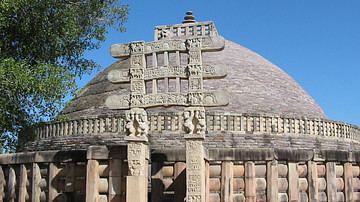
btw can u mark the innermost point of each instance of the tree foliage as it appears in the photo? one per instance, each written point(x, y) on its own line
point(41, 53)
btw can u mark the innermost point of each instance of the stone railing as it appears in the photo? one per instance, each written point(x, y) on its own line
point(215, 122)
point(198, 29)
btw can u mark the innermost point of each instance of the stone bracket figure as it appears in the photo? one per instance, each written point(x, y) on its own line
point(137, 123)
point(194, 121)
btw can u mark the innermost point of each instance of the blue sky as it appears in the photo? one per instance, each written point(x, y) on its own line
point(315, 42)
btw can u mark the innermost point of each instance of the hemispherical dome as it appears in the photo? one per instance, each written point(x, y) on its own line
point(255, 86)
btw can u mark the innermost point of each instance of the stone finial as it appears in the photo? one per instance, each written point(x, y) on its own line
point(189, 18)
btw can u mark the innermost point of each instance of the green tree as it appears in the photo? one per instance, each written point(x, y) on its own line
point(42, 43)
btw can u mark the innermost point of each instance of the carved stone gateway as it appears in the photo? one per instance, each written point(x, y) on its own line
point(194, 72)
point(194, 98)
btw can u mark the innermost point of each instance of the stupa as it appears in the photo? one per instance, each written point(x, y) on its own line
point(189, 117)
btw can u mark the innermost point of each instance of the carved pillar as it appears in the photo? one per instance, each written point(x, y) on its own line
point(293, 179)
point(136, 181)
point(194, 126)
point(313, 181)
point(52, 185)
point(272, 181)
point(92, 180)
point(331, 181)
point(227, 181)
point(137, 73)
point(348, 178)
point(137, 155)
point(22, 183)
point(36, 178)
point(10, 184)
point(115, 179)
point(250, 182)
point(195, 169)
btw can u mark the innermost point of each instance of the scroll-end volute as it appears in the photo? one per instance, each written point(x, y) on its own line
point(120, 50)
point(119, 76)
point(118, 102)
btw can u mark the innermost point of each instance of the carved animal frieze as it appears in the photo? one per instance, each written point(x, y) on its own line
point(207, 98)
point(207, 71)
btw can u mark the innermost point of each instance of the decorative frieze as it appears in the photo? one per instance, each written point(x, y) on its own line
point(209, 99)
point(208, 71)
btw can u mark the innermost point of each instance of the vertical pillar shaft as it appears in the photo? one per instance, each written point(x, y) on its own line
point(52, 182)
point(195, 170)
point(22, 183)
point(207, 181)
point(313, 181)
point(272, 181)
point(36, 178)
point(10, 184)
point(166, 64)
point(250, 186)
point(92, 180)
point(115, 179)
point(154, 81)
point(195, 126)
point(227, 181)
point(331, 181)
point(348, 177)
point(136, 182)
point(293, 179)
point(177, 59)
point(146, 178)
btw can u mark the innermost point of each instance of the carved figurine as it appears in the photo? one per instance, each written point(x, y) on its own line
point(143, 125)
point(164, 34)
point(135, 167)
point(188, 122)
point(201, 124)
point(137, 122)
point(194, 70)
point(130, 119)
point(193, 43)
point(137, 47)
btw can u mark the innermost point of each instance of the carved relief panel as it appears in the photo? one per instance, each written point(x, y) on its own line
point(137, 123)
point(136, 158)
point(194, 120)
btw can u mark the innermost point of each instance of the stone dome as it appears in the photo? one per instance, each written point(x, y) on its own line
point(255, 86)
